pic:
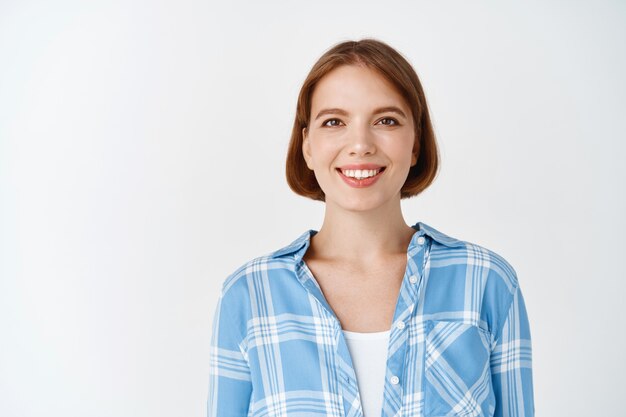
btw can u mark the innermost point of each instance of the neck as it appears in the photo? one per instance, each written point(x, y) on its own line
point(355, 236)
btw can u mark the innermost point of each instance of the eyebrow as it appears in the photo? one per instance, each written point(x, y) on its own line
point(391, 109)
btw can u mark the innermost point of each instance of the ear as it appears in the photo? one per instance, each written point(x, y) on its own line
point(415, 152)
point(306, 148)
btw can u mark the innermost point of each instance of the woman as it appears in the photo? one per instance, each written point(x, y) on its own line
point(369, 316)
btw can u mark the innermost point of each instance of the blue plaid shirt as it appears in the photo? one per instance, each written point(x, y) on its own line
point(459, 345)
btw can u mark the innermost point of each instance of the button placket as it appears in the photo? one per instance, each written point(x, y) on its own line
point(403, 314)
point(421, 240)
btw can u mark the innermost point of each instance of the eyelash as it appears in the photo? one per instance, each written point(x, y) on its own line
point(384, 118)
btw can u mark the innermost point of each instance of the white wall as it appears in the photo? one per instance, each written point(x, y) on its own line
point(128, 130)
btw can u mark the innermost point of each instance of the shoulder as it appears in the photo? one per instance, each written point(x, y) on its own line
point(265, 266)
point(493, 262)
point(491, 286)
point(487, 262)
point(258, 267)
point(469, 279)
point(257, 283)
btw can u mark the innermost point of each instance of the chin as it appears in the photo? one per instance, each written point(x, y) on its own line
point(361, 204)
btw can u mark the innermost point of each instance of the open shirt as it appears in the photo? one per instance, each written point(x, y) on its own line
point(459, 343)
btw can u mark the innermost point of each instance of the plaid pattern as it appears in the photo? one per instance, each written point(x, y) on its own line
point(459, 345)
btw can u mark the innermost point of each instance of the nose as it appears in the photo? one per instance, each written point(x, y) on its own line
point(361, 141)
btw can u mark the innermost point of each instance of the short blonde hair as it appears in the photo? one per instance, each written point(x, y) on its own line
point(395, 68)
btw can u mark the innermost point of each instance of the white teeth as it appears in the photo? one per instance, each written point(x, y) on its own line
point(360, 173)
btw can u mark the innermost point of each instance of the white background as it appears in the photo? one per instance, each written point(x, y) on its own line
point(142, 148)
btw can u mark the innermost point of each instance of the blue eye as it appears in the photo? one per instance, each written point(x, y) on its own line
point(330, 120)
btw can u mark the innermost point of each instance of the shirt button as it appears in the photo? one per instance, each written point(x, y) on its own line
point(394, 380)
point(400, 325)
point(413, 279)
point(421, 240)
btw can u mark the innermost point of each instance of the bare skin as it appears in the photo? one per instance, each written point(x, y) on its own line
point(363, 295)
point(358, 257)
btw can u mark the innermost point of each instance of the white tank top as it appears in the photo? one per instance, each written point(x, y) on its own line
point(369, 356)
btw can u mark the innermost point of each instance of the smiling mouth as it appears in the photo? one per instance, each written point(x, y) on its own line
point(359, 174)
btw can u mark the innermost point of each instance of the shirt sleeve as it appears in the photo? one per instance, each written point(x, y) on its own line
point(511, 363)
point(230, 385)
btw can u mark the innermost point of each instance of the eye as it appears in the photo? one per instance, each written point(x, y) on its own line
point(395, 122)
point(330, 120)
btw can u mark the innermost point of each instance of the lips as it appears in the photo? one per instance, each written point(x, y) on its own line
point(365, 182)
point(344, 169)
point(360, 166)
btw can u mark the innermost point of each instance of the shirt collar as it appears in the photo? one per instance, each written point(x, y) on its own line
point(299, 246)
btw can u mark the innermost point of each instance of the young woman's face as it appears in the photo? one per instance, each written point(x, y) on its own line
point(358, 122)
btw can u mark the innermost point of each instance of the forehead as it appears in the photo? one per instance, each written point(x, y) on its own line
point(355, 87)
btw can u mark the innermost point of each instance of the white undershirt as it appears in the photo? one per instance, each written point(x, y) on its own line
point(369, 356)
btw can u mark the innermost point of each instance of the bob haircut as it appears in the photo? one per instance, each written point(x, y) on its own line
point(393, 67)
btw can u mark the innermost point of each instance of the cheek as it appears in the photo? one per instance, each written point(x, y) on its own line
point(401, 150)
point(323, 152)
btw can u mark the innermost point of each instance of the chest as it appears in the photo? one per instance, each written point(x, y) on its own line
point(363, 298)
